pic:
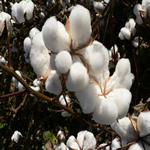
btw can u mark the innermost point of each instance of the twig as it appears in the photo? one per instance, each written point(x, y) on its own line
point(12, 94)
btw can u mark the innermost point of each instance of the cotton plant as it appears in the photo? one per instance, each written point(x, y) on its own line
point(142, 12)
point(134, 131)
point(22, 11)
point(18, 85)
point(85, 140)
point(128, 31)
point(64, 102)
point(5, 25)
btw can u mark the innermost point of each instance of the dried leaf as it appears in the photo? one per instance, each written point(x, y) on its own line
point(48, 145)
point(133, 120)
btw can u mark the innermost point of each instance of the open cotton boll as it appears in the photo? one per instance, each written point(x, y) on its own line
point(36, 82)
point(39, 56)
point(16, 136)
point(80, 25)
point(88, 97)
point(104, 148)
point(122, 77)
point(62, 146)
point(63, 61)
point(115, 143)
point(19, 74)
point(33, 31)
point(53, 84)
point(132, 26)
point(20, 86)
point(98, 6)
point(29, 8)
point(122, 98)
point(27, 44)
point(86, 140)
point(62, 100)
point(14, 10)
point(98, 57)
point(106, 111)
point(135, 42)
point(125, 130)
point(77, 78)
point(143, 123)
point(139, 146)
point(20, 12)
point(126, 33)
point(55, 35)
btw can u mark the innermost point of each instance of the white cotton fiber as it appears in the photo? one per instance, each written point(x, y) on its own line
point(20, 12)
point(98, 57)
point(29, 8)
point(126, 33)
point(39, 56)
point(121, 36)
point(14, 10)
point(115, 143)
point(63, 62)
point(137, 146)
point(36, 82)
point(122, 98)
point(53, 84)
point(72, 144)
point(80, 25)
point(132, 25)
point(77, 78)
point(98, 6)
point(143, 123)
point(105, 112)
point(14, 80)
point(52, 62)
point(55, 36)
point(122, 77)
point(124, 129)
point(27, 44)
point(33, 31)
point(86, 140)
point(88, 97)
point(62, 100)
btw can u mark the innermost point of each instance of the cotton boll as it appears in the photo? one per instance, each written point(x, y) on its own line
point(53, 84)
point(27, 44)
point(125, 130)
point(136, 9)
point(33, 31)
point(20, 12)
point(126, 33)
point(19, 74)
point(137, 146)
point(143, 123)
point(121, 36)
point(98, 58)
point(105, 112)
point(62, 146)
point(106, 146)
point(72, 144)
point(80, 25)
point(77, 78)
point(39, 56)
point(63, 62)
point(122, 77)
point(20, 86)
point(98, 6)
point(55, 36)
point(16, 136)
point(122, 98)
point(29, 8)
point(37, 89)
point(132, 26)
point(86, 140)
point(135, 42)
point(36, 82)
point(14, 11)
point(62, 100)
point(115, 144)
point(88, 97)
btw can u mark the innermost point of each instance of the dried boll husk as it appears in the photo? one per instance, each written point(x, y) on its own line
point(53, 84)
point(39, 56)
point(80, 26)
point(106, 111)
point(63, 61)
point(55, 36)
point(88, 97)
point(125, 130)
point(122, 99)
point(78, 78)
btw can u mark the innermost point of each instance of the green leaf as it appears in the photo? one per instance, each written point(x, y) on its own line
point(2, 125)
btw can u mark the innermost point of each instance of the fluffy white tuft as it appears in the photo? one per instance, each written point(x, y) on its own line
point(77, 78)
point(63, 61)
point(103, 111)
point(126, 33)
point(20, 12)
point(88, 98)
point(55, 36)
point(39, 56)
point(80, 25)
point(115, 143)
point(53, 84)
point(29, 8)
point(27, 44)
point(33, 31)
point(122, 98)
